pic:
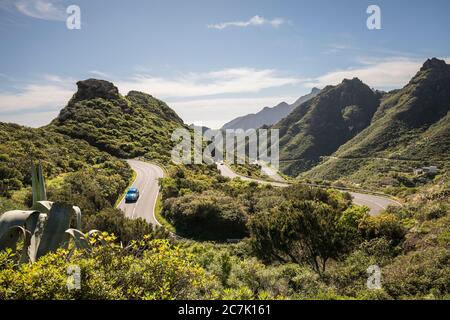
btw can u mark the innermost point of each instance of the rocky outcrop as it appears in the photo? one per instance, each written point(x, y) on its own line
point(93, 88)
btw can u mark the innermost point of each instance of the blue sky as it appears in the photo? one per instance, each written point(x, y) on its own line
point(210, 60)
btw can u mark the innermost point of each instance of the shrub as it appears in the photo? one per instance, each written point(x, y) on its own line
point(419, 274)
point(114, 222)
point(151, 270)
point(210, 216)
point(384, 225)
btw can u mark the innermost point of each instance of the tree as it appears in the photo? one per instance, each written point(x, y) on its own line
point(298, 231)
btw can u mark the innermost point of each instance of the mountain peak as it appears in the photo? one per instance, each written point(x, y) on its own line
point(352, 81)
point(94, 88)
point(433, 63)
point(315, 90)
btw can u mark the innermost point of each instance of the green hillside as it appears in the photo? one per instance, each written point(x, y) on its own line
point(97, 126)
point(321, 125)
point(80, 151)
point(411, 128)
point(126, 126)
point(61, 157)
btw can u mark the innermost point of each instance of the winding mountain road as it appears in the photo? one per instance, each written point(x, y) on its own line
point(376, 204)
point(148, 186)
point(147, 175)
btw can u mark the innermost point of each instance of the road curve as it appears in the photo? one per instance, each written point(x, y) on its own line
point(376, 204)
point(147, 175)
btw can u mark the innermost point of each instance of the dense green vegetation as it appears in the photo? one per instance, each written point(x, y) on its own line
point(249, 170)
point(148, 269)
point(410, 244)
point(59, 155)
point(76, 173)
point(96, 118)
point(127, 127)
point(291, 239)
point(410, 129)
point(321, 125)
point(295, 243)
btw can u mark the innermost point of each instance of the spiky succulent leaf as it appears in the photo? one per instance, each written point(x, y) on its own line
point(43, 206)
point(36, 237)
point(19, 218)
point(79, 239)
point(54, 235)
point(37, 184)
point(10, 238)
point(46, 206)
point(77, 212)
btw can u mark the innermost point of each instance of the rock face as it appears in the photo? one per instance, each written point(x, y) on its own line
point(434, 63)
point(412, 123)
point(93, 88)
point(319, 126)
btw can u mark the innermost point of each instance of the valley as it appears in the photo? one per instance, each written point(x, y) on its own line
point(242, 236)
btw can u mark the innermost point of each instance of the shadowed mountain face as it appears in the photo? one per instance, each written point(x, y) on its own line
point(126, 126)
point(321, 125)
point(410, 124)
point(419, 105)
point(268, 116)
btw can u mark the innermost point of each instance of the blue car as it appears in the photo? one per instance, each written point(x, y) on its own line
point(132, 195)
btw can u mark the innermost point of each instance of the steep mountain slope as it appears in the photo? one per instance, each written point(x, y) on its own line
point(126, 126)
point(314, 92)
point(321, 125)
point(410, 128)
point(59, 155)
point(268, 116)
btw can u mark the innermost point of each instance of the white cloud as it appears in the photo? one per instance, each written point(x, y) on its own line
point(198, 97)
point(254, 21)
point(227, 81)
point(100, 74)
point(41, 9)
point(31, 119)
point(52, 95)
point(389, 73)
point(35, 100)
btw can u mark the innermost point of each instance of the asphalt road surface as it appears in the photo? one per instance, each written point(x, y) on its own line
point(147, 184)
point(376, 204)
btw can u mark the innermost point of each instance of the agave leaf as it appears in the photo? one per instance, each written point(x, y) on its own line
point(54, 235)
point(10, 238)
point(24, 257)
point(77, 212)
point(43, 206)
point(46, 206)
point(79, 239)
point(36, 237)
point(18, 218)
point(92, 232)
point(37, 184)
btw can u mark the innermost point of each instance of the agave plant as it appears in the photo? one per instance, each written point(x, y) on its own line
point(43, 229)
